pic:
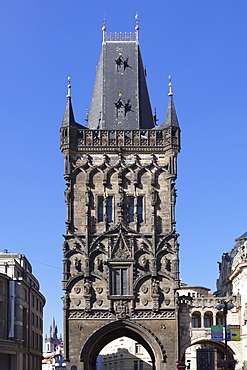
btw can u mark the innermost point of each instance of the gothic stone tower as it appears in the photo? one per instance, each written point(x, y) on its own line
point(120, 252)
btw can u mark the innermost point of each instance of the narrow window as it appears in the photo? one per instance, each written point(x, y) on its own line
point(100, 209)
point(141, 365)
point(135, 365)
point(131, 209)
point(140, 209)
point(109, 209)
point(120, 281)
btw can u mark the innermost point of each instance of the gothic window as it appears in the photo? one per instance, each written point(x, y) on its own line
point(120, 281)
point(131, 209)
point(140, 209)
point(102, 203)
point(208, 319)
point(109, 209)
point(100, 209)
point(196, 320)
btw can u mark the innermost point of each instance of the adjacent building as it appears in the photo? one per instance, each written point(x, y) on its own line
point(21, 314)
point(124, 354)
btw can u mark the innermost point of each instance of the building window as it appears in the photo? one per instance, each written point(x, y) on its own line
point(135, 365)
point(131, 209)
point(196, 320)
point(120, 281)
point(100, 209)
point(141, 365)
point(108, 202)
point(138, 348)
point(109, 209)
point(208, 320)
point(219, 318)
point(140, 209)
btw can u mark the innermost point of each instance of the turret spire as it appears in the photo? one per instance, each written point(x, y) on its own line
point(68, 118)
point(171, 115)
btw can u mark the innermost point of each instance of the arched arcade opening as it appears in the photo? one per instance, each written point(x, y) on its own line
point(123, 328)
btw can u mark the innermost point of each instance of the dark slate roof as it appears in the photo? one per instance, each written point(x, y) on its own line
point(243, 236)
point(171, 116)
point(120, 98)
point(68, 118)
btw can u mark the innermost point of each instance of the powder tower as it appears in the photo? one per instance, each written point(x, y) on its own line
point(120, 265)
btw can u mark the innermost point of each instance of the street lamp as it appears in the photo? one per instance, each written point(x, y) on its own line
point(226, 306)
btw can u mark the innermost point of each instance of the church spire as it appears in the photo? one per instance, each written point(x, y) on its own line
point(68, 118)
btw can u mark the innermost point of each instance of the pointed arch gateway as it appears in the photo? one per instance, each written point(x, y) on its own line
point(100, 338)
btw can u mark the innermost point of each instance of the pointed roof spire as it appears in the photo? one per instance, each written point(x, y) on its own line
point(171, 115)
point(68, 118)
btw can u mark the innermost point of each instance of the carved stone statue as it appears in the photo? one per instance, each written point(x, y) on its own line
point(154, 197)
point(155, 287)
point(87, 287)
point(77, 263)
point(121, 197)
point(88, 197)
point(67, 195)
point(66, 301)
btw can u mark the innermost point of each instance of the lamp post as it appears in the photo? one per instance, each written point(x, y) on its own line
point(226, 306)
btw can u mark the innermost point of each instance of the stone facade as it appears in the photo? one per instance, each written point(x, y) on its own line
point(121, 267)
point(21, 314)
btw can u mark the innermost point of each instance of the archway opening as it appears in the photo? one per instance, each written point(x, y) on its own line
point(124, 353)
point(190, 359)
point(116, 330)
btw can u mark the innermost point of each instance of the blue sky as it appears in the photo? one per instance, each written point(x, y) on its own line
point(201, 44)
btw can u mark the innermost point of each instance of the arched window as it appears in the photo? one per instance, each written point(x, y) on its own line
point(219, 318)
point(196, 320)
point(208, 319)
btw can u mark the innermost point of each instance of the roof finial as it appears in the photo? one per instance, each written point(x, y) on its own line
point(137, 25)
point(104, 28)
point(170, 86)
point(69, 88)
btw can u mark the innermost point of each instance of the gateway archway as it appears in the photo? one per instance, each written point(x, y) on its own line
point(117, 329)
point(189, 356)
